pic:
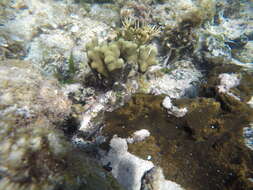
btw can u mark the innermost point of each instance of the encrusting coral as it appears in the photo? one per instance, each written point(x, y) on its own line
point(117, 59)
point(35, 154)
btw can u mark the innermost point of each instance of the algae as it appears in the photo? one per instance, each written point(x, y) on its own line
point(179, 41)
point(202, 150)
point(67, 76)
point(35, 153)
point(244, 90)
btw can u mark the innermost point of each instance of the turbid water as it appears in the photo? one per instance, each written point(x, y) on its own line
point(171, 78)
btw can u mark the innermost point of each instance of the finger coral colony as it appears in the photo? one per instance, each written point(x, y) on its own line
point(126, 95)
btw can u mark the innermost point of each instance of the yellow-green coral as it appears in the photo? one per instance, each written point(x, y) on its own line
point(108, 58)
point(147, 57)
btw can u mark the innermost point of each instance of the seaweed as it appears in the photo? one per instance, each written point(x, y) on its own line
point(66, 76)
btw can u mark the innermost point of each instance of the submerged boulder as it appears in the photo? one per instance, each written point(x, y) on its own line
point(35, 154)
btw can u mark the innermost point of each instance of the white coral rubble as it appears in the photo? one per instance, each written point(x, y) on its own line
point(173, 110)
point(228, 81)
point(131, 171)
point(126, 168)
point(138, 136)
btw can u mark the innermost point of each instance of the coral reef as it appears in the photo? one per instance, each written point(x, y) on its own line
point(133, 172)
point(48, 36)
point(35, 154)
point(227, 38)
point(178, 79)
point(182, 31)
point(173, 110)
point(244, 54)
point(38, 157)
point(67, 75)
point(248, 135)
point(141, 33)
point(241, 89)
point(24, 88)
point(105, 12)
point(50, 130)
point(154, 180)
point(174, 12)
point(217, 122)
point(117, 60)
point(177, 144)
point(138, 10)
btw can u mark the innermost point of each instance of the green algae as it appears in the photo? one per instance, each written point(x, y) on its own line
point(202, 150)
point(67, 77)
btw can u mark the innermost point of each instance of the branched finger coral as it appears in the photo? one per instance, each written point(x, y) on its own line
point(116, 60)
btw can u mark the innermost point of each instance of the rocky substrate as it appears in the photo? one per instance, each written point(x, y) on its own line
point(191, 128)
point(201, 149)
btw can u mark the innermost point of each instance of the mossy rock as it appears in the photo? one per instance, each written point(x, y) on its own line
point(204, 150)
point(35, 153)
point(244, 90)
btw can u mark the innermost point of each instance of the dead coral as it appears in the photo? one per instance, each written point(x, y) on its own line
point(179, 42)
point(182, 20)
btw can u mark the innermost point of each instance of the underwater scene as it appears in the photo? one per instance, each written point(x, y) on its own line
point(126, 94)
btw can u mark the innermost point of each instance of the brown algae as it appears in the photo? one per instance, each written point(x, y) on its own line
point(204, 150)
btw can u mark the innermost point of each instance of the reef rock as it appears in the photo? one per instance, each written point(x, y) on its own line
point(126, 168)
point(35, 154)
point(47, 33)
point(154, 180)
point(173, 110)
point(177, 144)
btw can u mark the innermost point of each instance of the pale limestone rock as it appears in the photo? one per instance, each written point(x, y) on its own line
point(126, 168)
point(138, 136)
point(173, 110)
point(154, 180)
point(180, 81)
point(228, 81)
